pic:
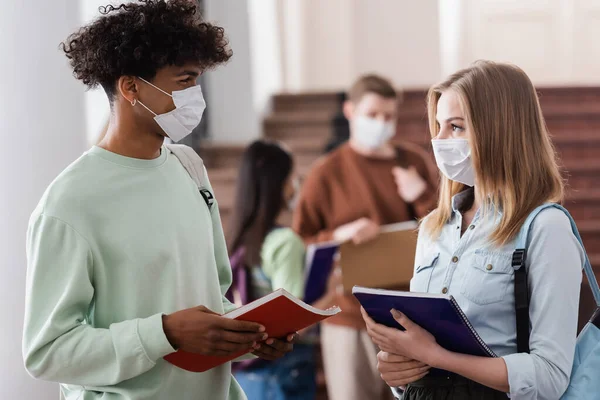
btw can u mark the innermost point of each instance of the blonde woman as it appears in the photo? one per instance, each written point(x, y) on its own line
point(498, 165)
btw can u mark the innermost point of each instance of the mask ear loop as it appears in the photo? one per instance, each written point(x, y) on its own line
point(135, 101)
point(155, 87)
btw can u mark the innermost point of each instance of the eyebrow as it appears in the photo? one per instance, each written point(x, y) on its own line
point(191, 73)
point(451, 119)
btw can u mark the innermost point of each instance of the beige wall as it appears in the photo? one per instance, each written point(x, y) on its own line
point(329, 43)
point(554, 41)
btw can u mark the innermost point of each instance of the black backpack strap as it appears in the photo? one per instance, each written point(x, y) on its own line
point(521, 300)
point(521, 284)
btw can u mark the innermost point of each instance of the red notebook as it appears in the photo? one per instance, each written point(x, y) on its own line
point(279, 312)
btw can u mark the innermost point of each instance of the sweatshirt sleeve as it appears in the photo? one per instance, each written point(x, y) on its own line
point(427, 202)
point(309, 216)
point(58, 344)
point(221, 253)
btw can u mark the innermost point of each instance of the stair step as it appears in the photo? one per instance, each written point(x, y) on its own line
point(590, 233)
point(328, 101)
point(305, 145)
point(582, 174)
point(557, 99)
point(584, 205)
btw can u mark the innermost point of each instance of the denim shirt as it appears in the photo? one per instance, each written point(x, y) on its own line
point(479, 275)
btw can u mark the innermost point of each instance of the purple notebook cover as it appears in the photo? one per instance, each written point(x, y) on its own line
point(317, 273)
point(438, 314)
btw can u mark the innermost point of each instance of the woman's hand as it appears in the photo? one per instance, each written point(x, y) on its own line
point(414, 343)
point(398, 370)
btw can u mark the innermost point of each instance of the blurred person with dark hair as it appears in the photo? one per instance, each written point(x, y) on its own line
point(340, 127)
point(273, 258)
point(363, 184)
point(114, 283)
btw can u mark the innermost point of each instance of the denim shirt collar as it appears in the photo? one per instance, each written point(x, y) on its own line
point(460, 199)
point(465, 197)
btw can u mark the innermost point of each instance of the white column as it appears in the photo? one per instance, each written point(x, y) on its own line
point(293, 15)
point(42, 130)
point(452, 30)
point(266, 57)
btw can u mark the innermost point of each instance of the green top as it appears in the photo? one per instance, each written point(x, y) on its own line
point(282, 255)
point(113, 245)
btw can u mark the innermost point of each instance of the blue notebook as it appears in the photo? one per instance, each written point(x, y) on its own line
point(439, 314)
point(319, 262)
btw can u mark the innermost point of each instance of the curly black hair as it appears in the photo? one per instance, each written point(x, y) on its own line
point(140, 38)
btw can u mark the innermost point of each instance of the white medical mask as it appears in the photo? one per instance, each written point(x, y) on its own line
point(189, 107)
point(453, 158)
point(372, 133)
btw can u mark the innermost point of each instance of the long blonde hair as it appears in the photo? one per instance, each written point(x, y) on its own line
point(513, 157)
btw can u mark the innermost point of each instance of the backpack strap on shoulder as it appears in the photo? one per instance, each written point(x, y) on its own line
point(521, 285)
point(194, 165)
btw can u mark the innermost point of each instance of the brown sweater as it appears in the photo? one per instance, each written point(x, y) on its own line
point(345, 186)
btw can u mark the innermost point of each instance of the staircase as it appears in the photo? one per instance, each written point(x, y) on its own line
point(303, 123)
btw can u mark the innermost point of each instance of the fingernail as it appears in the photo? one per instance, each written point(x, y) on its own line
point(257, 346)
point(270, 342)
point(261, 329)
point(265, 336)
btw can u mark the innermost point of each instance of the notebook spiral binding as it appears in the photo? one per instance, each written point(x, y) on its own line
point(473, 331)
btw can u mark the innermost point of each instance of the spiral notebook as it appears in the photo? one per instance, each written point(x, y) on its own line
point(439, 314)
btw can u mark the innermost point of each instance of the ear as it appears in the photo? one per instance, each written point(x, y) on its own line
point(127, 88)
point(348, 109)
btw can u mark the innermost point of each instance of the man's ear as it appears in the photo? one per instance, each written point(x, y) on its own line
point(348, 109)
point(127, 88)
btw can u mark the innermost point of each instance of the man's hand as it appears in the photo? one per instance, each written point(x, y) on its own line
point(397, 370)
point(335, 282)
point(360, 231)
point(199, 330)
point(410, 184)
point(273, 349)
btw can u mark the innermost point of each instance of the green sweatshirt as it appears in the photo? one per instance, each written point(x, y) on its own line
point(114, 244)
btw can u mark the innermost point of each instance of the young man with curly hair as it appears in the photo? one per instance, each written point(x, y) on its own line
point(115, 283)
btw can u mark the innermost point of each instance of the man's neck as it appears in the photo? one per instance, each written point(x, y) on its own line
point(131, 141)
point(384, 152)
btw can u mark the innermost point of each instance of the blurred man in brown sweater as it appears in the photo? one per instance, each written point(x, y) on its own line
point(348, 195)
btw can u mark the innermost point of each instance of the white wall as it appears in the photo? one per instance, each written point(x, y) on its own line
point(97, 108)
point(42, 130)
point(230, 89)
point(400, 39)
point(327, 44)
point(554, 41)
